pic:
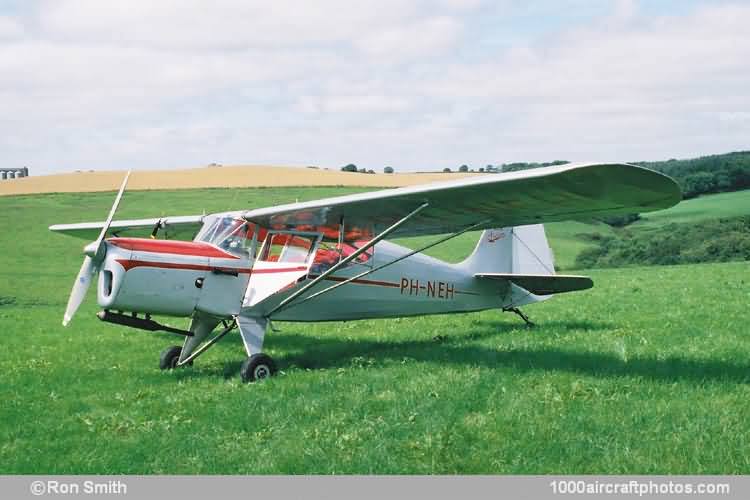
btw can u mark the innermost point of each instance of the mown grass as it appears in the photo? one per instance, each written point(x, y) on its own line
point(646, 373)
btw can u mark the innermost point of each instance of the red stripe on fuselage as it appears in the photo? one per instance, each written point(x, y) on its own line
point(387, 284)
point(177, 247)
point(359, 281)
point(130, 264)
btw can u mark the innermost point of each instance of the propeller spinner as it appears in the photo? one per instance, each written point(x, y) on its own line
point(94, 256)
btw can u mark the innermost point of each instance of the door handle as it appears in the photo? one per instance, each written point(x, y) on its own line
point(225, 272)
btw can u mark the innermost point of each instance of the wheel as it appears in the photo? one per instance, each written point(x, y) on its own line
point(169, 357)
point(257, 367)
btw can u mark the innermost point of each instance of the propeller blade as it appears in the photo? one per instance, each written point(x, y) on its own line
point(112, 213)
point(81, 285)
point(91, 262)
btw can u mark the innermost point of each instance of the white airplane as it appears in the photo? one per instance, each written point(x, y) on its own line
point(327, 260)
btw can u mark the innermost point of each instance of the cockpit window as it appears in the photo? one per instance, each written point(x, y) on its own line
point(235, 235)
point(228, 233)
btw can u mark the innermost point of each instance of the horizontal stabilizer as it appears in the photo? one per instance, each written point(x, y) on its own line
point(541, 284)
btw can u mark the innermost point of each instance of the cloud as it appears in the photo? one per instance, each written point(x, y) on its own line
point(190, 24)
point(10, 28)
point(420, 38)
point(410, 83)
point(660, 81)
point(352, 104)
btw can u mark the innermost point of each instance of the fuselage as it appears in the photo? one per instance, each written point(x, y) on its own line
point(181, 278)
point(417, 285)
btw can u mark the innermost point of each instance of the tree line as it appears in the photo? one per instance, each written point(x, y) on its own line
point(707, 174)
point(696, 176)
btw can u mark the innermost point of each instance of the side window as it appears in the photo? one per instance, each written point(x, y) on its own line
point(350, 248)
point(326, 256)
point(296, 250)
point(329, 253)
point(272, 248)
point(289, 248)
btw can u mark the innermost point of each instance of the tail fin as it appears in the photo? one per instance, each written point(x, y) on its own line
point(522, 257)
point(512, 250)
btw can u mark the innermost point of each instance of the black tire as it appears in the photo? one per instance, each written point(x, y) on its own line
point(169, 357)
point(257, 367)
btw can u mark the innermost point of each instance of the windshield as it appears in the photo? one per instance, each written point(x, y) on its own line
point(228, 233)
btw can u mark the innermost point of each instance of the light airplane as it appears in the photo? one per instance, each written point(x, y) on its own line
point(328, 260)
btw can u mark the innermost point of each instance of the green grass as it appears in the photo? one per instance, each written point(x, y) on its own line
point(701, 208)
point(646, 373)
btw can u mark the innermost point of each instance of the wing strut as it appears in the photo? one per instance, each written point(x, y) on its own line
point(348, 259)
point(378, 268)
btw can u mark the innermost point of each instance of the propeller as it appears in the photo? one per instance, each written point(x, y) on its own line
point(94, 255)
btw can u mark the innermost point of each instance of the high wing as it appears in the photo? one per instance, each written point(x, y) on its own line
point(173, 228)
point(581, 192)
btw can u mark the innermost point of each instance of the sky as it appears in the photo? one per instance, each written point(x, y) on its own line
point(413, 84)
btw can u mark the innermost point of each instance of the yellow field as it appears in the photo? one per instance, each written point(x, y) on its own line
point(219, 177)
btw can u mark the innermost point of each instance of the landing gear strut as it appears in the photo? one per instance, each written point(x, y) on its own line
point(521, 314)
point(257, 366)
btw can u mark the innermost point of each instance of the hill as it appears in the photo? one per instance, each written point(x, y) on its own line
point(710, 228)
point(212, 177)
point(712, 206)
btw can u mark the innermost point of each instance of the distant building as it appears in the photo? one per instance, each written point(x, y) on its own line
point(14, 173)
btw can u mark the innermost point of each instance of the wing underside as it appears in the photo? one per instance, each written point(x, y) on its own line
point(579, 192)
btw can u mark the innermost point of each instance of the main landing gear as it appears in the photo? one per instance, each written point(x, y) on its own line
point(257, 366)
point(169, 357)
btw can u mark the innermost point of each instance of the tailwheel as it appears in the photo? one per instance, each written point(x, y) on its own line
point(169, 357)
point(257, 367)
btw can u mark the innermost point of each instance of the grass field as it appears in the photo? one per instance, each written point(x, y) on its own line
point(647, 372)
point(701, 208)
point(235, 176)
